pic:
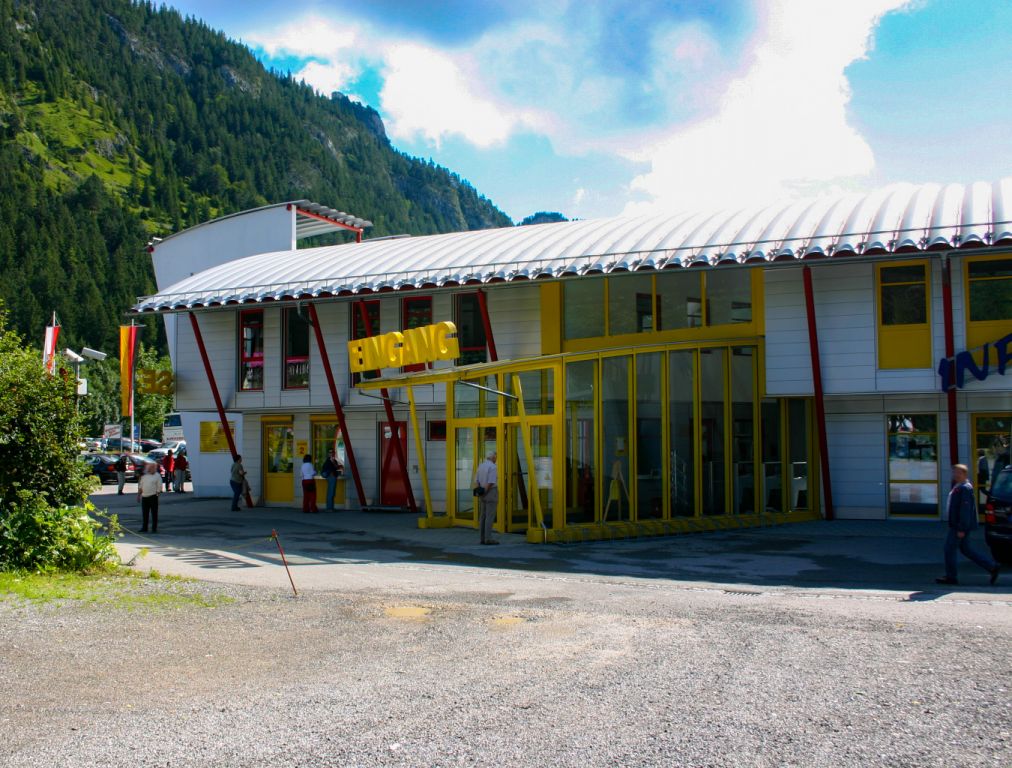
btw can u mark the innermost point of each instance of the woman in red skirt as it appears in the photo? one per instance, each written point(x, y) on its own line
point(308, 485)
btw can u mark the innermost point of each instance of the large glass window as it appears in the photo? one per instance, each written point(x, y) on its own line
point(679, 300)
point(799, 452)
point(365, 322)
point(583, 308)
point(326, 437)
point(470, 330)
point(743, 429)
point(296, 336)
point(989, 282)
point(581, 443)
point(416, 312)
point(682, 418)
point(631, 304)
point(712, 372)
point(477, 398)
point(465, 466)
point(772, 457)
point(251, 350)
point(615, 414)
point(903, 294)
point(992, 434)
point(728, 296)
point(649, 437)
point(539, 392)
point(913, 464)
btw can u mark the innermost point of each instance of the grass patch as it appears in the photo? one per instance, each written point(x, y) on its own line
point(118, 588)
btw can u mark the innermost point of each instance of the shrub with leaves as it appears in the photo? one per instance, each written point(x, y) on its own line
point(43, 487)
point(37, 537)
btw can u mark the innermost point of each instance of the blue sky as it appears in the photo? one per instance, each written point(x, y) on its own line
point(601, 107)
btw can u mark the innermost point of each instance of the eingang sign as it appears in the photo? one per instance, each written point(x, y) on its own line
point(413, 346)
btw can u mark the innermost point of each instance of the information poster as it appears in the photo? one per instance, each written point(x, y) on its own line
point(212, 437)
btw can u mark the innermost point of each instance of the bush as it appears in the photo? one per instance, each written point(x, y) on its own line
point(37, 537)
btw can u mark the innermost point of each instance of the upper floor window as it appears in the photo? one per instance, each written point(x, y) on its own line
point(296, 351)
point(661, 301)
point(416, 311)
point(365, 322)
point(904, 332)
point(470, 329)
point(251, 350)
point(989, 289)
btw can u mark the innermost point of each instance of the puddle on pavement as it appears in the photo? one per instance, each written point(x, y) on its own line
point(507, 621)
point(408, 612)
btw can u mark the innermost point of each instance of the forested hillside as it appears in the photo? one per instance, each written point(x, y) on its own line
point(120, 120)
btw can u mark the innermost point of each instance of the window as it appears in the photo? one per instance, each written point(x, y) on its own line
point(416, 312)
point(582, 305)
point(992, 434)
point(662, 301)
point(990, 290)
point(359, 330)
point(296, 336)
point(251, 350)
point(913, 464)
point(470, 330)
point(327, 436)
point(631, 304)
point(904, 332)
point(679, 300)
point(436, 431)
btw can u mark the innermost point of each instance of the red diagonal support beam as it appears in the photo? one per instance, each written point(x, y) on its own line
point(394, 432)
point(214, 393)
point(357, 230)
point(820, 404)
point(486, 322)
point(950, 352)
point(336, 399)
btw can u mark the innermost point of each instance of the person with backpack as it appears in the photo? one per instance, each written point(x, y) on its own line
point(962, 508)
point(121, 468)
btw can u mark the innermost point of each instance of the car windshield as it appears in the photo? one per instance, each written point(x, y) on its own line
point(1002, 487)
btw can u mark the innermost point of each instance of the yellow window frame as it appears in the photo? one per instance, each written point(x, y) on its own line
point(907, 345)
point(981, 332)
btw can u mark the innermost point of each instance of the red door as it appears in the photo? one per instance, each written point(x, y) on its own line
point(393, 492)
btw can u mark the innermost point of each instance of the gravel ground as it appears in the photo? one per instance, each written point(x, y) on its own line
point(559, 672)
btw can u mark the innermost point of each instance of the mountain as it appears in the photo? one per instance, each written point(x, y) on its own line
point(543, 217)
point(120, 120)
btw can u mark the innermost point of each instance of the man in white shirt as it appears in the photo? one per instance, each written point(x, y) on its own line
point(488, 480)
point(149, 487)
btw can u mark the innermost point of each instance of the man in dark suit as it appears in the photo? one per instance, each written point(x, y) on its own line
point(962, 520)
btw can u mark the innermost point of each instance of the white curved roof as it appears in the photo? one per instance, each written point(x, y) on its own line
point(902, 218)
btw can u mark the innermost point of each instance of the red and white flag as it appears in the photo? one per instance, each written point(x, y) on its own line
point(49, 347)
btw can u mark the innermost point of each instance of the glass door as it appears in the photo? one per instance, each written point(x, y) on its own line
point(516, 479)
point(278, 462)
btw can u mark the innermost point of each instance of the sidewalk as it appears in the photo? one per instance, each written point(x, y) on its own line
point(200, 538)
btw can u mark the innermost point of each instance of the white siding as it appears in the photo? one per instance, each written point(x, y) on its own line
point(193, 392)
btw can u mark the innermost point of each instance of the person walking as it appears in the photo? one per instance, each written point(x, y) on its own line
point(487, 480)
point(149, 487)
point(331, 471)
point(962, 521)
point(121, 467)
point(169, 465)
point(308, 474)
point(180, 472)
point(237, 479)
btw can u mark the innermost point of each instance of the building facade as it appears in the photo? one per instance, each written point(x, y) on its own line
point(634, 376)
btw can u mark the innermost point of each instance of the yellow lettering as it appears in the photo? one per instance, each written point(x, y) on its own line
point(412, 347)
point(445, 341)
point(356, 356)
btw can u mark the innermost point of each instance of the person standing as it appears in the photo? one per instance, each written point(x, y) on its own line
point(180, 471)
point(488, 480)
point(149, 486)
point(331, 471)
point(121, 467)
point(308, 473)
point(237, 479)
point(169, 467)
point(962, 521)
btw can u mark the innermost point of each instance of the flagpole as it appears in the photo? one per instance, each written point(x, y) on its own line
point(132, 388)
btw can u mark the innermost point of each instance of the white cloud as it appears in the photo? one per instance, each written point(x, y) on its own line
point(781, 127)
point(326, 78)
point(307, 37)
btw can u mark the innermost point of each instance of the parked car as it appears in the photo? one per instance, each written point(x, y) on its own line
point(177, 447)
point(94, 444)
point(998, 517)
point(149, 445)
point(103, 466)
point(117, 444)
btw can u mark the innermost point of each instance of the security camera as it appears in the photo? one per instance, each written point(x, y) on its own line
point(93, 354)
point(72, 356)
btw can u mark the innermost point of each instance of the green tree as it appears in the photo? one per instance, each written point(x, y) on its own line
point(150, 410)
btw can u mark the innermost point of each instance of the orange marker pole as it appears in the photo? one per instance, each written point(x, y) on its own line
point(274, 535)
